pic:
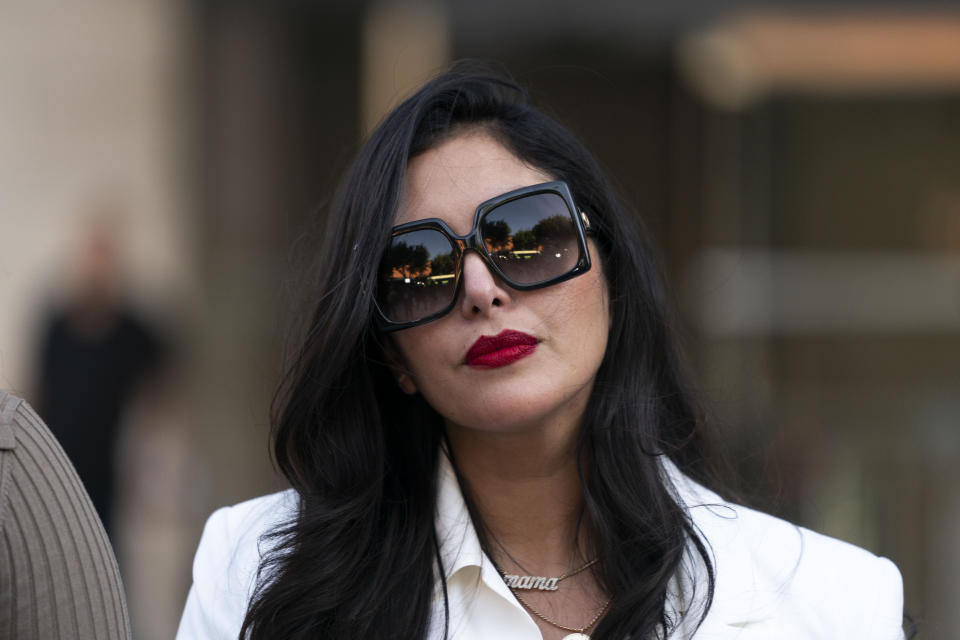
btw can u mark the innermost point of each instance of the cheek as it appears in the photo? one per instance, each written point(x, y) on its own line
point(590, 323)
point(426, 358)
point(584, 306)
point(419, 352)
point(597, 327)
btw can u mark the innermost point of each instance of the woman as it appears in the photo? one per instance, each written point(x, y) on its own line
point(488, 431)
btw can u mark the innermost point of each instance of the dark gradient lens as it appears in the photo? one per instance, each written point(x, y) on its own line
point(417, 276)
point(532, 239)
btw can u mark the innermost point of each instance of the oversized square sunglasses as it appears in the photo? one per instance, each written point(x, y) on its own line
point(530, 238)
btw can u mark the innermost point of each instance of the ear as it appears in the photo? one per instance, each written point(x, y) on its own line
point(398, 367)
point(407, 385)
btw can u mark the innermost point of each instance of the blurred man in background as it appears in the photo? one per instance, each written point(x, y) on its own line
point(96, 355)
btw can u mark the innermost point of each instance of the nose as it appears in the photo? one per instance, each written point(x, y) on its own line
point(482, 291)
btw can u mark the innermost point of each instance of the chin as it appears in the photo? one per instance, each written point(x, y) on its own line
point(523, 415)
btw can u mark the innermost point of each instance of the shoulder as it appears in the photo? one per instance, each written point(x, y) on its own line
point(778, 579)
point(9, 414)
point(26, 435)
point(226, 563)
point(44, 510)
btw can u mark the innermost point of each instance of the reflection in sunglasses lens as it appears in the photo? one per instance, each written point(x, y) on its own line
point(532, 239)
point(417, 276)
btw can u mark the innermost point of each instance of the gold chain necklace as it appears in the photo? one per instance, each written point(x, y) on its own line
point(515, 583)
point(579, 633)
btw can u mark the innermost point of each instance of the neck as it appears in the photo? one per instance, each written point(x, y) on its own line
point(526, 488)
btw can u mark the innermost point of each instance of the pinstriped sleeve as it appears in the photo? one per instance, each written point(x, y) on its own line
point(58, 575)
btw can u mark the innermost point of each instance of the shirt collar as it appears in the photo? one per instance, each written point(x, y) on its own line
point(460, 550)
point(459, 544)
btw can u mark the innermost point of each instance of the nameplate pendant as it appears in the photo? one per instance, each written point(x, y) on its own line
point(539, 583)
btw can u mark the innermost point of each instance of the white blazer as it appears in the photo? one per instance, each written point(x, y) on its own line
point(774, 580)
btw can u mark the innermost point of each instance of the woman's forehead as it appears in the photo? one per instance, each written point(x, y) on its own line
point(450, 180)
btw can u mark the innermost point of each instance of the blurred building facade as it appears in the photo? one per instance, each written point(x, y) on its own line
point(805, 199)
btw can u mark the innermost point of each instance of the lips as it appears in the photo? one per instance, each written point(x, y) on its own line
point(508, 346)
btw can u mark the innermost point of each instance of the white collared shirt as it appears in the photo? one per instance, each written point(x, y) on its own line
point(773, 579)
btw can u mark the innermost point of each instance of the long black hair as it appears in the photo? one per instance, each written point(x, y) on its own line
point(361, 557)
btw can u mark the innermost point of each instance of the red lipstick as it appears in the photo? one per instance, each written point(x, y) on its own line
point(490, 352)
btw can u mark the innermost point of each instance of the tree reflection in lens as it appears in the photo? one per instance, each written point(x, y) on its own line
point(417, 276)
point(540, 253)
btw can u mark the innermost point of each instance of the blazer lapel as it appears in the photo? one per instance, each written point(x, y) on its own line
point(747, 561)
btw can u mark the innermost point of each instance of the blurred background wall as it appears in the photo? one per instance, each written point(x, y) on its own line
point(797, 166)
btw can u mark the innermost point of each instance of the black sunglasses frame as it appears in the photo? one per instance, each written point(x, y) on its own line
point(474, 241)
